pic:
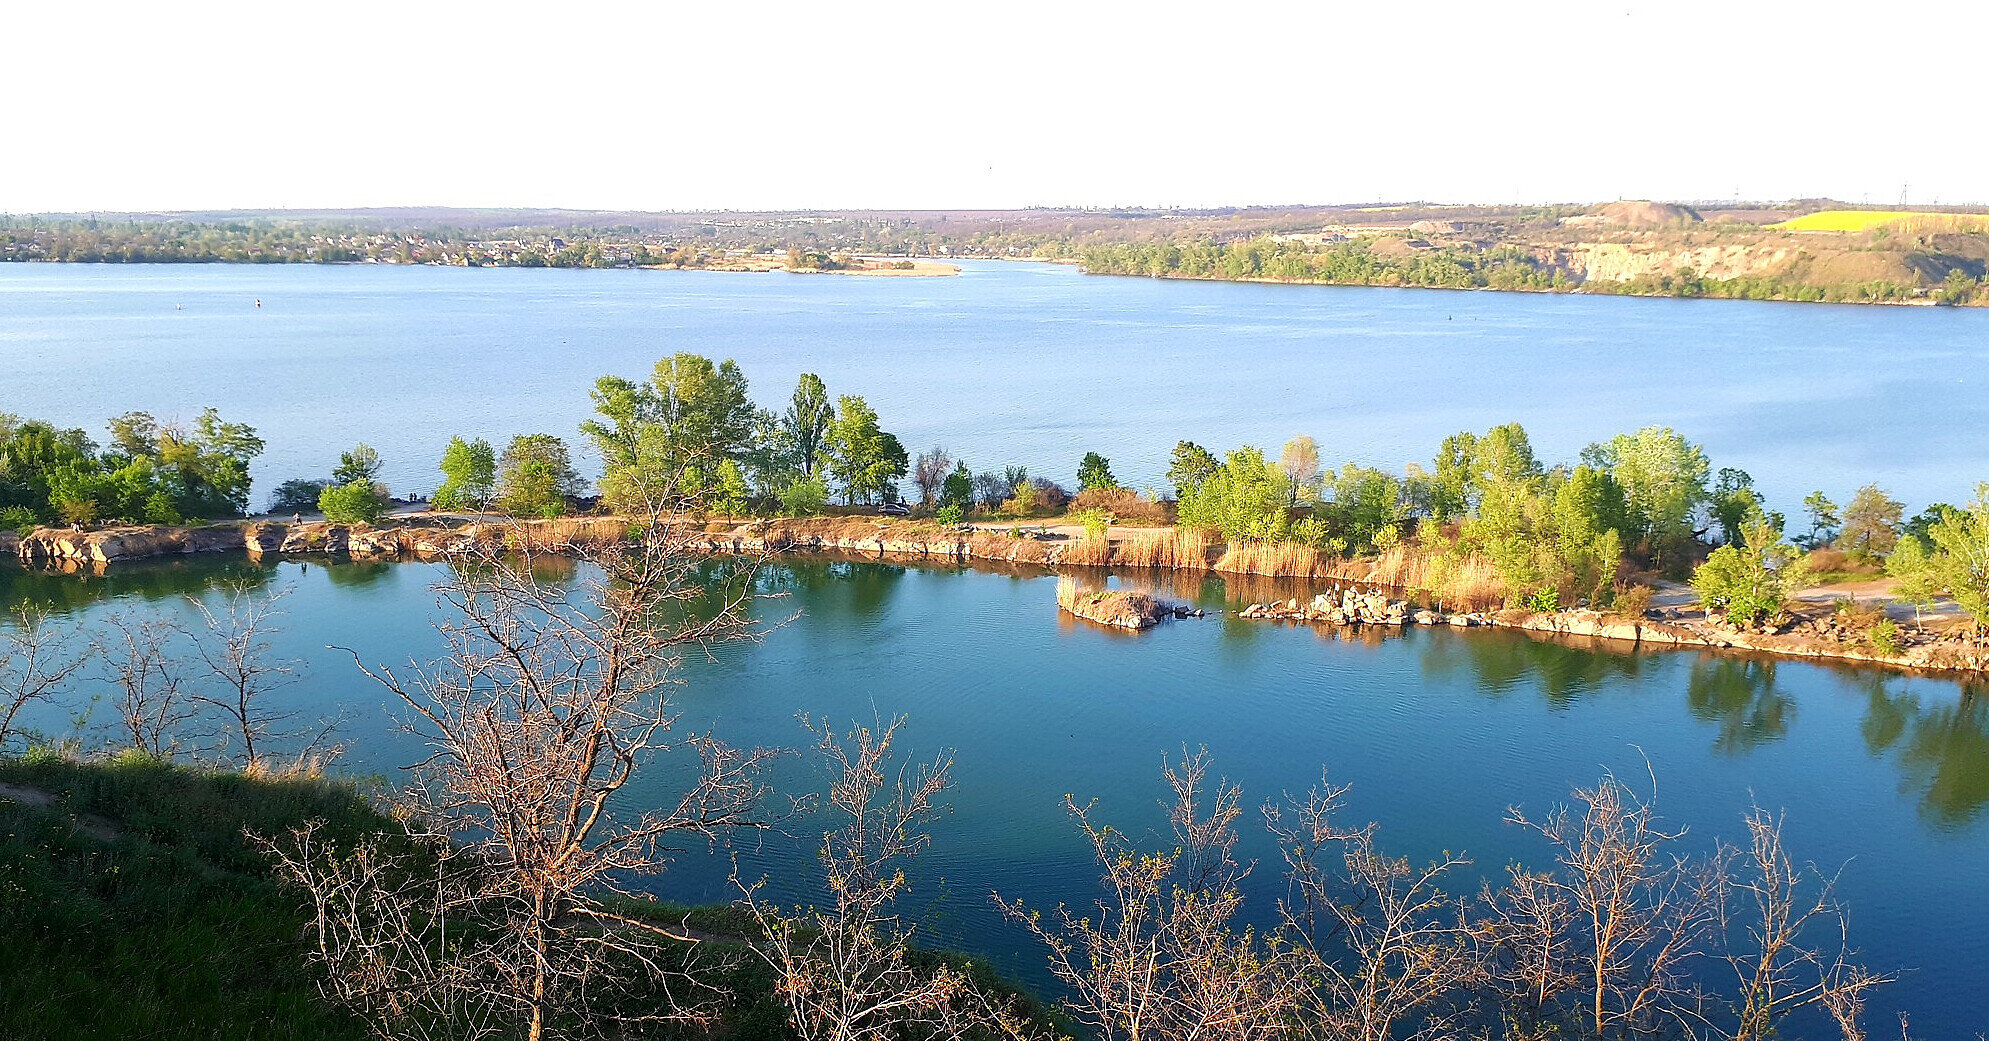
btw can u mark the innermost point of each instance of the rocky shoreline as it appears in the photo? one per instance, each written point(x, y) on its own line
point(440, 537)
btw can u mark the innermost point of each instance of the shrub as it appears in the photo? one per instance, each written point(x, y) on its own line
point(19, 518)
point(355, 502)
point(1631, 601)
point(950, 514)
point(1885, 637)
point(1123, 504)
point(804, 497)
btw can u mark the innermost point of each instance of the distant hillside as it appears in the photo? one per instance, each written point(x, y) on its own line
point(1798, 250)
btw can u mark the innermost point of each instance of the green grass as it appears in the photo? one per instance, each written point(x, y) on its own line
point(135, 906)
point(174, 928)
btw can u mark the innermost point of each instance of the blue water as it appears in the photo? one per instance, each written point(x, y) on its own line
point(1009, 363)
point(1438, 731)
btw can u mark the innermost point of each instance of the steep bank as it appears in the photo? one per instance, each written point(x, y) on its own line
point(428, 537)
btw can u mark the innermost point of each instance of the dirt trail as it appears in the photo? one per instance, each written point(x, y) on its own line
point(95, 827)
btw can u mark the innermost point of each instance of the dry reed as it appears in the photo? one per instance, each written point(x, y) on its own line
point(1180, 548)
point(1281, 559)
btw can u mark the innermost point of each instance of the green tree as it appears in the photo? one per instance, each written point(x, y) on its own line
point(296, 495)
point(1822, 517)
point(1242, 498)
point(1361, 503)
point(1664, 483)
point(807, 421)
point(804, 496)
point(1753, 580)
point(358, 501)
point(535, 476)
point(469, 475)
point(1871, 523)
point(1733, 501)
point(1190, 465)
point(958, 489)
point(1957, 562)
point(360, 464)
point(207, 469)
point(862, 456)
point(659, 438)
point(135, 435)
point(1094, 471)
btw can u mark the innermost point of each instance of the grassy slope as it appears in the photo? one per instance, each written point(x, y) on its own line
point(172, 928)
point(134, 906)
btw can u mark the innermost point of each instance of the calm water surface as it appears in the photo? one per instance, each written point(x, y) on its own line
point(1438, 732)
point(1009, 363)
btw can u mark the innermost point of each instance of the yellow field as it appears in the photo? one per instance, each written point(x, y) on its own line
point(1866, 220)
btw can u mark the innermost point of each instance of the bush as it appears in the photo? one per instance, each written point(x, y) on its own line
point(1631, 601)
point(19, 518)
point(804, 497)
point(1123, 504)
point(1885, 637)
point(355, 502)
point(949, 514)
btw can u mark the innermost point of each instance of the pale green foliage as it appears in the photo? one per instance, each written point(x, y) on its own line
point(1552, 539)
point(1753, 580)
point(1871, 523)
point(728, 495)
point(949, 514)
point(862, 456)
point(535, 476)
point(1957, 562)
point(1663, 478)
point(656, 437)
point(804, 496)
point(1359, 503)
point(1467, 465)
point(1095, 521)
point(469, 475)
point(360, 464)
point(354, 502)
point(1242, 498)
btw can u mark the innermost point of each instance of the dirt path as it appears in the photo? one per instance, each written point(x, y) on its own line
point(95, 827)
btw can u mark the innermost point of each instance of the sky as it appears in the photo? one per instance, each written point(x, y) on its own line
point(817, 105)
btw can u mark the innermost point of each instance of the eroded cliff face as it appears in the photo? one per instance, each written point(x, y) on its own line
point(1627, 261)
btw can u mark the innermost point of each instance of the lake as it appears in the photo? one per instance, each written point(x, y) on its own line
point(1438, 731)
point(1023, 363)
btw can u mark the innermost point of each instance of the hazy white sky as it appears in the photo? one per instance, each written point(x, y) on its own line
point(818, 104)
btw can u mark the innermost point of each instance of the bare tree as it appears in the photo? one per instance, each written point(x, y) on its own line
point(1162, 958)
point(146, 676)
point(844, 971)
point(929, 473)
point(241, 670)
point(1782, 970)
point(1300, 464)
point(36, 659)
point(1387, 947)
point(1605, 944)
point(544, 707)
